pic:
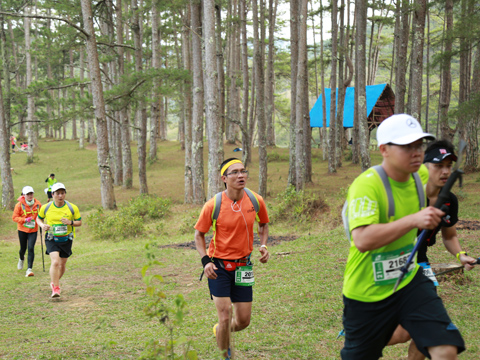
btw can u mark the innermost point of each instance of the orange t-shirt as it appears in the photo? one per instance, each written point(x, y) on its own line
point(234, 230)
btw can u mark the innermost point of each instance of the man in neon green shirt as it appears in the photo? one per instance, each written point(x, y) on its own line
point(50, 181)
point(380, 246)
point(58, 219)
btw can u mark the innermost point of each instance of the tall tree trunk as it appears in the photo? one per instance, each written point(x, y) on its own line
point(417, 58)
point(333, 86)
point(8, 200)
point(360, 82)
point(341, 89)
point(427, 105)
point(30, 101)
point(446, 89)
point(107, 194)
point(187, 99)
point(324, 99)
point(141, 113)
point(197, 113)
point(260, 90)
point(221, 72)
point(246, 142)
point(154, 118)
point(215, 144)
point(463, 68)
point(292, 172)
point(301, 96)
point(270, 103)
point(81, 141)
point(401, 43)
point(471, 159)
point(127, 166)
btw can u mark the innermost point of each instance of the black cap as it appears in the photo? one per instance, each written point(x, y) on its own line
point(437, 155)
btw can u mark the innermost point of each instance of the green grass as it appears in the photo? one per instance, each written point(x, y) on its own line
point(297, 306)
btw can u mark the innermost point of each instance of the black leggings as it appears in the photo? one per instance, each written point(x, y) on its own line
point(27, 239)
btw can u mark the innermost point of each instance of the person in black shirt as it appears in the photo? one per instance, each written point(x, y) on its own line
point(439, 158)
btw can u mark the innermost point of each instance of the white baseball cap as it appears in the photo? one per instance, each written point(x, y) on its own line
point(27, 189)
point(401, 129)
point(58, 186)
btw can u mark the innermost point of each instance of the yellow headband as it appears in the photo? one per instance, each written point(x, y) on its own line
point(227, 165)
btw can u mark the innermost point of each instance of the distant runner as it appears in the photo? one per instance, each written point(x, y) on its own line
point(24, 214)
point(439, 158)
point(58, 219)
point(228, 266)
point(380, 246)
point(12, 142)
point(50, 181)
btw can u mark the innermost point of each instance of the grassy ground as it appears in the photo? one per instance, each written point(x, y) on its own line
point(297, 305)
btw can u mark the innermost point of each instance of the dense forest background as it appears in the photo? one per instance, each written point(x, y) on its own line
point(114, 73)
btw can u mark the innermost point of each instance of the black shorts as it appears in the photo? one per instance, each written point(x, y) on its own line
point(369, 326)
point(49, 194)
point(224, 286)
point(64, 247)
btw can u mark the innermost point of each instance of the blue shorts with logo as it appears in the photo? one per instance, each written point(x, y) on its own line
point(224, 285)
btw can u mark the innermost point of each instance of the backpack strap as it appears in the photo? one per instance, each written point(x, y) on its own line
point(388, 189)
point(66, 202)
point(256, 204)
point(217, 204)
point(420, 190)
point(47, 207)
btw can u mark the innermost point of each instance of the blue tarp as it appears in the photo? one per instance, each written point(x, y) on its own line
point(316, 114)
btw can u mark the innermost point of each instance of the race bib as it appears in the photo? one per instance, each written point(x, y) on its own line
point(30, 224)
point(387, 265)
point(244, 276)
point(428, 272)
point(60, 230)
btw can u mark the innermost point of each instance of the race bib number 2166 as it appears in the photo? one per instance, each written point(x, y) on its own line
point(387, 265)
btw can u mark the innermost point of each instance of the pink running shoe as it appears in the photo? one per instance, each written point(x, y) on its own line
point(55, 291)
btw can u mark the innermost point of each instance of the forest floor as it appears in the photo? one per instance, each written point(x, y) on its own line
point(297, 307)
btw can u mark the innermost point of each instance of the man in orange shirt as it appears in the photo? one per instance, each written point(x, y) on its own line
point(227, 264)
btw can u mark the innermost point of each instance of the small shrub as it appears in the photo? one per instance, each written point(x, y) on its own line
point(150, 206)
point(297, 205)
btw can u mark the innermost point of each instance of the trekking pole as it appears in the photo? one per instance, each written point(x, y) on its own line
point(442, 198)
point(41, 243)
point(456, 268)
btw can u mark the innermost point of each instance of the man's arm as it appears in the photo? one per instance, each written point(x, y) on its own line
point(375, 236)
point(263, 235)
point(450, 240)
point(210, 267)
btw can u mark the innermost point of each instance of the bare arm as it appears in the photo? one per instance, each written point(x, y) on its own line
point(375, 236)
point(202, 250)
point(263, 235)
point(40, 223)
point(450, 240)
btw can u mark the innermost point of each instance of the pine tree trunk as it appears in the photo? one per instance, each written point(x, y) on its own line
point(197, 113)
point(154, 118)
point(187, 99)
point(247, 157)
point(324, 99)
point(401, 43)
point(333, 86)
point(341, 89)
point(360, 83)
point(215, 144)
point(446, 89)
point(221, 72)
point(417, 58)
point(141, 114)
point(30, 101)
point(81, 141)
point(8, 201)
point(260, 90)
point(107, 194)
point(270, 104)
point(292, 172)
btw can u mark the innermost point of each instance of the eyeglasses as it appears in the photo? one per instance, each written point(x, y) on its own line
point(410, 148)
point(236, 173)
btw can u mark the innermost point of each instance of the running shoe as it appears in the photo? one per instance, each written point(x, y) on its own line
point(29, 272)
point(20, 264)
point(55, 291)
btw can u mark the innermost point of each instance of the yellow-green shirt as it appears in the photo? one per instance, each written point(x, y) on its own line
point(367, 205)
point(55, 214)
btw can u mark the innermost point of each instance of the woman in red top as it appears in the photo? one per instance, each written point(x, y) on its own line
point(24, 214)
